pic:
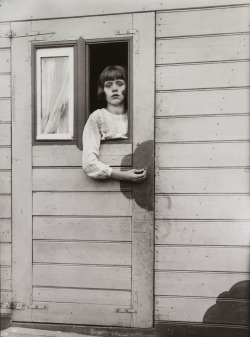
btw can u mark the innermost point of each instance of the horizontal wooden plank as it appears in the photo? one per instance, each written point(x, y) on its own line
point(70, 155)
point(203, 181)
point(5, 110)
point(5, 278)
point(5, 206)
point(202, 233)
point(228, 101)
point(59, 179)
point(230, 207)
point(87, 296)
point(5, 254)
point(202, 155)
point(92, 277)
point(211, 48)
point(5, 230)
point(202, 22)
point(116, 229)
point(203, 129)
point(5, 134)
point(5, 182)
point(4, 85)
point(223, 259)
point(198, 76)
point(82, 252)
point(81, 203)
point(5, 155)
point(197, 284)
point(4, 60)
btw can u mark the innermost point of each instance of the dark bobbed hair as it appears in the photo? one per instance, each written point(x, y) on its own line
point(111, 73)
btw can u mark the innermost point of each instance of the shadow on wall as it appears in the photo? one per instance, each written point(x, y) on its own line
point(232, 307)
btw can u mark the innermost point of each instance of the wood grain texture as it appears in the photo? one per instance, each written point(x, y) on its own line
point(203, 181)
point(203, 155)
point(5, 278)
point(202, 129)
point(195, 283)
point(229, 101)
point(5, 206)
point(211, 48)
point(70, 155)
point(82, 253)
point(81, 203)
point(230, 207)
point(59, 179)
point(5, 110)
point(4, 60)
point(111, 229)
point(202, 233)
point(5, 254)
point(202, 22)
point(198, 76)
point(5, 182)
point(91, 277)
point(5, 134)
point(222, 259)
point(4, 85)
point(5, 230)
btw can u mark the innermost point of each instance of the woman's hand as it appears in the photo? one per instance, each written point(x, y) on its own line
point(134, 175)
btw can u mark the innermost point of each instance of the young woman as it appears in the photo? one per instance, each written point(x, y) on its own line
point(109, 122)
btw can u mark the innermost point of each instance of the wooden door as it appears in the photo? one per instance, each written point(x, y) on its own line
point(83, 249)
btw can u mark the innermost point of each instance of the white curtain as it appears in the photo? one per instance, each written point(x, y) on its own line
point(55, 95)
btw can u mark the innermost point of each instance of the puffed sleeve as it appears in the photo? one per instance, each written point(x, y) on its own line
point(91, 139)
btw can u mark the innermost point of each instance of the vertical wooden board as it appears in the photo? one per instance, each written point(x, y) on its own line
point(203, 155)
point(198, 284)
point(4, 60)
point(5, 206)
point(5, 182)
point(202, 258)
point(112, 229)
point(230, 207)
point(5, 296)
point(5, 230)
point(5, 278)
point(5, 110)
point(5, 155)
point(5, 254)
point(202, 22)
point(203, 181)
point(5, 134)
point(202, 233)
point(202, 49)
point(4, 85)
point(229, 101)
point(4, 35)
point(199, 76)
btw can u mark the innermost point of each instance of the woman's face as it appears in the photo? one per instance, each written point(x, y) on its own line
point(114, 91)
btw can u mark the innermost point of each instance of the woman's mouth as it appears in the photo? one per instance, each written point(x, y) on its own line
point(115, 96)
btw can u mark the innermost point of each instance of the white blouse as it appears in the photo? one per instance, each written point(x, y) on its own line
point(101, 125)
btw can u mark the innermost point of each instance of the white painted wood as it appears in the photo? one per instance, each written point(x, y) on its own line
point(4, 60)
point(4, 85)
point(5, 134)
point(203, 181)
point(5, 230)
point(5, 297)
point(5, 110)
point(230, 207)
point(196, 284)
point(4, 43)
point(111, 229)
point(203, 129)
point(203, 155)
point(5, 206)
point(81, 203)
point(203, 22)
point(229, 101)
point(5, 182)
point(96, 296)
point(91, 277)
point(5, 254)
point(202, 233)
point(4, 33)
point(212, 75)
point(70, 155)
point(211, 48)
point(5, 278)
point(59, 179)
point(82, 252)
point(5, 155)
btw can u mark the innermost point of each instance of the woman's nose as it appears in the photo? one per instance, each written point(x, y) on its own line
point(114, 87)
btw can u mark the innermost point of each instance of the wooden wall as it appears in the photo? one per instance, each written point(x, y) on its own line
point(202, 164)
point(5, 166)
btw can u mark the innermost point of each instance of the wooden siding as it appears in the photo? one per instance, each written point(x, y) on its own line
point(202, 160)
